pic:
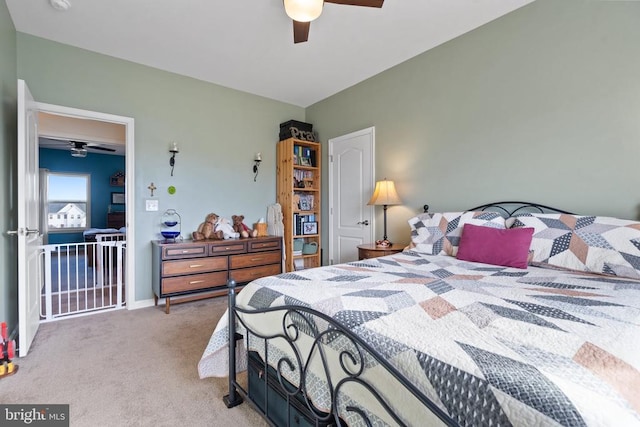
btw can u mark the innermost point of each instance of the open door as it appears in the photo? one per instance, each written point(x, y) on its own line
point(29, 237)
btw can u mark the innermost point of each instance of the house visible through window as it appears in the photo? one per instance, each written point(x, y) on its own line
point(68, 201)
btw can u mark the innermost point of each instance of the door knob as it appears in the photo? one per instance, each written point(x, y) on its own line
point(23, 232)
point(365, 222)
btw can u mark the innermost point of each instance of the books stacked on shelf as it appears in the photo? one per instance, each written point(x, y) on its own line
point(304, 224)
point(301, 175)
point(304, 156)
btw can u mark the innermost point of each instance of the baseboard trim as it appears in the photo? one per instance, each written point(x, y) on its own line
point(140, 304)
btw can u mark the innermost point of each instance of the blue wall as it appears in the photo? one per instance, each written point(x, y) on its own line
point(101, 167)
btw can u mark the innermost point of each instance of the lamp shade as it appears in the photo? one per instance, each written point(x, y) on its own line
point(303, 10)
point(385, 194)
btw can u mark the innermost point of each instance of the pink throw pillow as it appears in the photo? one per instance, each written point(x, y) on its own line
point(508, 247)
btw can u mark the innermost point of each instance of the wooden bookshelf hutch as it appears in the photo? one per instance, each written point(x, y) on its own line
point(298, 193)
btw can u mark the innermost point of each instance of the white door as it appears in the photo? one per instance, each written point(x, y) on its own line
point(29, 237)
point(351, 183)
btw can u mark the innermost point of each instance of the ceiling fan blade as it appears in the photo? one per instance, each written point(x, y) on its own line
point(300, 31)
point(77, 144)
point(97, 147)
point(367, 3)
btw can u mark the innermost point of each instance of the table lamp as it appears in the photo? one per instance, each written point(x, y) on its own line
point(384, 194)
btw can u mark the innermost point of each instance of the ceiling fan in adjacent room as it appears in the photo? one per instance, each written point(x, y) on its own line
point(79, 148)
point(304, 11)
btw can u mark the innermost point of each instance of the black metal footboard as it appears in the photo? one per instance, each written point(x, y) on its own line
point(320, 371)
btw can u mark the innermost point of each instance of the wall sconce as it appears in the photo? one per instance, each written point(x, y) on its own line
point(384, 194)
point(173, 149)
point(256, 165)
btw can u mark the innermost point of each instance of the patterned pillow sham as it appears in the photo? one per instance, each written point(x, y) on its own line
point(439, 233)
point(585, 243)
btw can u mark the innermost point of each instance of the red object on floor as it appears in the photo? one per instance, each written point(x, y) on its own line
point(7, 352)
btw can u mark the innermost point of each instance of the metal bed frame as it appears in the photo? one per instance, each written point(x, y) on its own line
point(299, 320)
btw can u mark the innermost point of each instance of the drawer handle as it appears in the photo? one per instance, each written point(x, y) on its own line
point(195, 265)
point(185, 251)
point(195, 282)
point(257, 259)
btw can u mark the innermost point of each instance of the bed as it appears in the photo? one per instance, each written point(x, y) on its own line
point(99, 235)
point(506, 314)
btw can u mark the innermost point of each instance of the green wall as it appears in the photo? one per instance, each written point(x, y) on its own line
point(8, 197)
point(542, 104)
point(218, 131)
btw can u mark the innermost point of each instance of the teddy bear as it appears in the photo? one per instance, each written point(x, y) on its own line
point(241, 228)
point(223, 226)
point(207, 229)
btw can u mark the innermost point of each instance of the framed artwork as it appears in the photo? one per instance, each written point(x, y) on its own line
point(305, 204)
point(305, 161)
point(118, 199)
point(117, 179)
point(310, 228)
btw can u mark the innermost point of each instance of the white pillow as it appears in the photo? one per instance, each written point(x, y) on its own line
point(439, 233)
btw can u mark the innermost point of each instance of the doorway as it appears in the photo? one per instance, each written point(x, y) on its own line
point(99, 127)
point(351, 182)
point(82, 178)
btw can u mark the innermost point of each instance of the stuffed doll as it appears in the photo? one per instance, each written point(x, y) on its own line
point(241, 228)
point(207, 229)
point(223, 226)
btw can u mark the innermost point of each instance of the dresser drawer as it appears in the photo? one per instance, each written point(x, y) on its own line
point(195, 282)
point(258, 258)
point(226, 248)
point(193, 265)
point(249, 274)
point(256, 246)
point(184, 251)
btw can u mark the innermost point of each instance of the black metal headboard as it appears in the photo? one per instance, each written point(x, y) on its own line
point(510, 208)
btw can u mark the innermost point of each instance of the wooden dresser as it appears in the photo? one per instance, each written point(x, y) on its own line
point(195, 270)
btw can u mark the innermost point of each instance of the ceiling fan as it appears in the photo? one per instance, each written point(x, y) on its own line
point(304, 11)
point(79, 148)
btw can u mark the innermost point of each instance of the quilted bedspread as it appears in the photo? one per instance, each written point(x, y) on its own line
point(488, 344)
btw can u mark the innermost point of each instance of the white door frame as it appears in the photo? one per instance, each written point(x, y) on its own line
point(128, 122)
point(331, 143)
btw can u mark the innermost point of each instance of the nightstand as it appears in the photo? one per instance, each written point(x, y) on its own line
point(370, 250)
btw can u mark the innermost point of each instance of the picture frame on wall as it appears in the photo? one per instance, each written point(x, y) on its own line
point(117, 179)
point(309, 228)
point(118, 198)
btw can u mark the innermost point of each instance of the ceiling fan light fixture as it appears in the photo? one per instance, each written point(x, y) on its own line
point(78, 152)
point(60, 4)
point(303, 10)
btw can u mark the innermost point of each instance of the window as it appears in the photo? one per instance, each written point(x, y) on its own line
point(68, 202)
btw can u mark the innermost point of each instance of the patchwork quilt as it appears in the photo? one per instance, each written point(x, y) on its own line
point(489, 345)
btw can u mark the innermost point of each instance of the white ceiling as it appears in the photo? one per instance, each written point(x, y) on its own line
point(248, 44)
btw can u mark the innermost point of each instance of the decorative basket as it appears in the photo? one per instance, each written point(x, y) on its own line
point(261, 228)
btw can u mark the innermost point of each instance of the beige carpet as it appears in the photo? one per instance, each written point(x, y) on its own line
point(128, 368)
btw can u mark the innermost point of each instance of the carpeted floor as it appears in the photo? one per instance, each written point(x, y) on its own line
point(128, 368)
